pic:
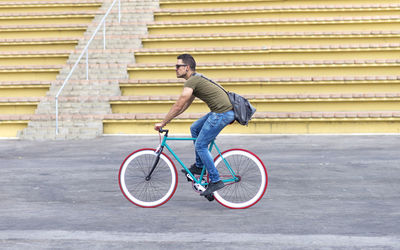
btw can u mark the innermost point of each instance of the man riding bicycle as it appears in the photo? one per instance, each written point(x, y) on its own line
point(207, 127)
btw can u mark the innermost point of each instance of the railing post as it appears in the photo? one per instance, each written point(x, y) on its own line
point(56, 115)
point(87, 64)
point(119, 11)
point(104, 35)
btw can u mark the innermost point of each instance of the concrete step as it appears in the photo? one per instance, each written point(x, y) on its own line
point(64, 17)
point(247, 54)
point(268, 103)
point(199, 4)
point(48, 6)
point(18, 105)
point(299, 38)
point(266, 123)
point(29, 73)
point(71, 126)
point(33, 58)
point(10, 125)
point(38, 44)
point(24, 88)
point(42, 31)
point(85, 87)
point(283, 85)
point(96, 72)
point(283, 11)
point(326, 68)
point(322, 24)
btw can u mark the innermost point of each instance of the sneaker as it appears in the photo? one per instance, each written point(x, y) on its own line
point(195, 170)
point(212, 187)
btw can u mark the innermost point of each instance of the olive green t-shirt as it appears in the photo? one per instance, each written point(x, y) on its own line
point(215, 98)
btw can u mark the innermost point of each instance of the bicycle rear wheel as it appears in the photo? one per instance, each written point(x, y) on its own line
point(144, 192)
point(252, 179)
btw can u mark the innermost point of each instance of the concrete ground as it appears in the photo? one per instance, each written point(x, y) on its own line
point(324, 192)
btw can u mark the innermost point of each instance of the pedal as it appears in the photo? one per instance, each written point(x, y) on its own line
point(210, 197)
point(198, 188)
point(188, 177)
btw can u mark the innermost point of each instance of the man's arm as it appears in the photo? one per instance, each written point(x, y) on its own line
point(183, 102)
point(187, 104)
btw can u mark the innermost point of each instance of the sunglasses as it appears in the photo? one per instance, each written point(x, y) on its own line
point(177, 66)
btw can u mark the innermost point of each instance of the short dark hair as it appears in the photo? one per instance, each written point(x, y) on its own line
point(189, 60)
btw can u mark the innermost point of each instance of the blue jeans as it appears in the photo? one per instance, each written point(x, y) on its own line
point(205, 130)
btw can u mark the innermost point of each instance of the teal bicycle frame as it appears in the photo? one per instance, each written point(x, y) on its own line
point(212, 145)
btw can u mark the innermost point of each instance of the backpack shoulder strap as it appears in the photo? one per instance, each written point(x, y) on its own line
point(202, 76)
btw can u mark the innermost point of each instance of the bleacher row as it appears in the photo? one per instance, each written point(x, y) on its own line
point(308, 66)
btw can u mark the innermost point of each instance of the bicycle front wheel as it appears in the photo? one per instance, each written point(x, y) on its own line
point(143, 191)
point(251, 178)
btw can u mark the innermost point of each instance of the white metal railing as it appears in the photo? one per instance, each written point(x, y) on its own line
point(85, 51)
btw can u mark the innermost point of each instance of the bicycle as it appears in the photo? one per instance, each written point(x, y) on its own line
point(148, 177)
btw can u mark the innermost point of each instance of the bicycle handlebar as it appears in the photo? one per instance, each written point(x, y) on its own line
point(164, 131)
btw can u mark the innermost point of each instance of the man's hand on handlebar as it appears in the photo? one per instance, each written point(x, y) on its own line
point(158, 127)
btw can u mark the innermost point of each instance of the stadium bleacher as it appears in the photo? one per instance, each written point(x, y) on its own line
point(308, 66)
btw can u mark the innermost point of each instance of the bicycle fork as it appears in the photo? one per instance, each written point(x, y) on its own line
point(158, 152)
